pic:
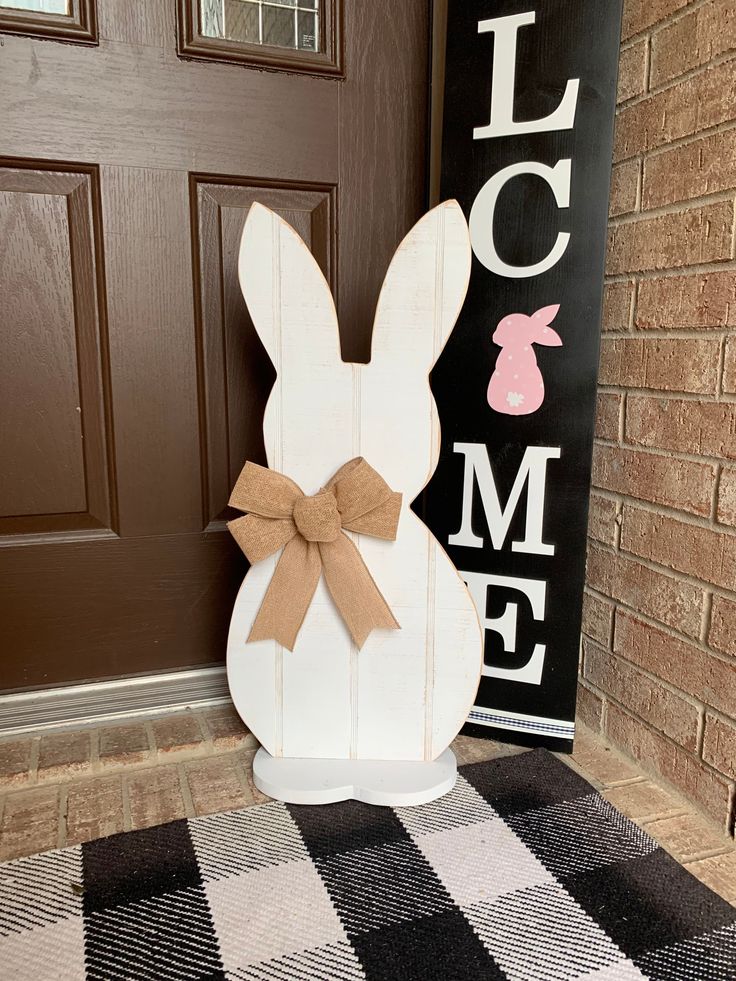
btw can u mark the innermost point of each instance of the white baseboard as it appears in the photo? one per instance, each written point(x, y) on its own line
point(90, 704)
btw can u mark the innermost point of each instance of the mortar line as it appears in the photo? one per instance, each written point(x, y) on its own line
point(671, 83)
point(675, 141)
point(706, 617)
point(657, 681)
point(682, 456)
point(674, 208)
point(674, 634)
point(668, 19)
point(670, 272)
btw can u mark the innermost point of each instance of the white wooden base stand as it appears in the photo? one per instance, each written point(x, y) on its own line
point(393, 783)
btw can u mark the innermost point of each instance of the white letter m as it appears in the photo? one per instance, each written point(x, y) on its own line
point(533, 468)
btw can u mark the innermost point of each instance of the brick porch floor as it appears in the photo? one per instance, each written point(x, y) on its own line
point(61, 788)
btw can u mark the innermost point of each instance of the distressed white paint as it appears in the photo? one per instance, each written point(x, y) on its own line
point(406, 694)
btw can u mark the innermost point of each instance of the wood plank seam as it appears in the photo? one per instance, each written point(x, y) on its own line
point(279, 456)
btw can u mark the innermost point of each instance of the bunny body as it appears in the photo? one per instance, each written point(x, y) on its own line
point(407, 692)
point(516, 387)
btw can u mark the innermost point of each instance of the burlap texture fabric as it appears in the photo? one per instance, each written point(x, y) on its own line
point(311, 531)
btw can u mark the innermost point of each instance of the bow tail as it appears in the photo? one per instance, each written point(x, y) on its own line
point(356, 595)
point(289, 594)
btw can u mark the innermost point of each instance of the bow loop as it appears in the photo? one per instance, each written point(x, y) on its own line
point(260, 537)
point(264, 492)
point(311, 532)
point(358, 489)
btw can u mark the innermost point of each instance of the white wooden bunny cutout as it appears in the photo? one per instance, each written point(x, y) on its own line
point(336, 722)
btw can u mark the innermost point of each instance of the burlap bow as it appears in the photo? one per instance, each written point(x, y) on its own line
point(310, 530)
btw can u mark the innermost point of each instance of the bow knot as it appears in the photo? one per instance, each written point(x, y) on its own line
point(311, 531)
point(317, 518)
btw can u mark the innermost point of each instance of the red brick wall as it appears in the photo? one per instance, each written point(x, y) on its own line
point(659, 644)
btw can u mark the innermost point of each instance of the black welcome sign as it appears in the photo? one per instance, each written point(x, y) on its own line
point(527, 132)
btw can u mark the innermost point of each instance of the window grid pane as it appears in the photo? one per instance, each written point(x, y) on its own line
point(276, 23)
point(39, 6)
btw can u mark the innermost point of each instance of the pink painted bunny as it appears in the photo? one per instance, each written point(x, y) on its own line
point(516, 387)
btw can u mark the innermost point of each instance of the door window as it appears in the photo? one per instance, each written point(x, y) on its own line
point(280, 23)
point(68, 20)
point(43, 6)
point(296, 35)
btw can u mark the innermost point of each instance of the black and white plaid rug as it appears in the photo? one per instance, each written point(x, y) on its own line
point(523, 872)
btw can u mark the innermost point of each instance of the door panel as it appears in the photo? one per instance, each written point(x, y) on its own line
point(108, 607)
point(383, 133)
point(38, 225)
point(133, 385)
point(53, 442)
point(136, 23)
point(141, 106)
point(152, 357)
point(236, 372)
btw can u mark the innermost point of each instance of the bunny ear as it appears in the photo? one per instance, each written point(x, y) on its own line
point(545, 315)
point(423, 291)
point(287, 295)
point(547, 337)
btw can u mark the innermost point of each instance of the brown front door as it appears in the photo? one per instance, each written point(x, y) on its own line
point(134, 138)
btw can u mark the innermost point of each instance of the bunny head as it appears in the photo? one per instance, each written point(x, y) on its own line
point(517, 328)
point(323, 411)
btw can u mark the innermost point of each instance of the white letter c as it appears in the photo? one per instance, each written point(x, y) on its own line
point(484, 207)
